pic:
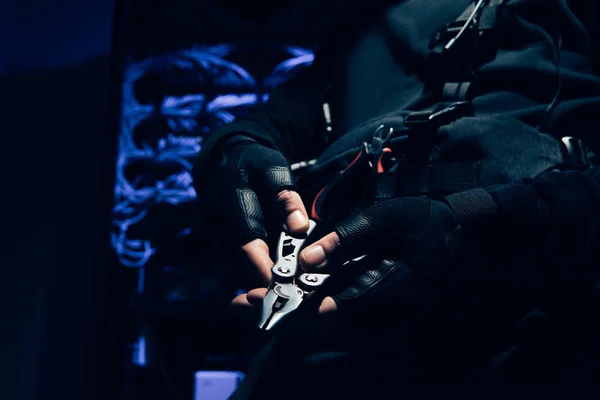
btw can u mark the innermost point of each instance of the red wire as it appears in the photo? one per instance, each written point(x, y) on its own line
point(313, 209)
point(380, 168)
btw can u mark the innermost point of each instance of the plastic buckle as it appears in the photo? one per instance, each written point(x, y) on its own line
point(574, 152)
point(435, 119)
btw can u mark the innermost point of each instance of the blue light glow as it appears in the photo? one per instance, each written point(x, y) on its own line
point(189, 118)
point(216, 385)
point(139, 352)
point(300, 58)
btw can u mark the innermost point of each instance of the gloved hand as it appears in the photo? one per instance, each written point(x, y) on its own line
point(409, 243)
point(246, 188)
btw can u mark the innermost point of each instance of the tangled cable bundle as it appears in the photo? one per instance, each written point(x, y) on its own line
point(190, 93)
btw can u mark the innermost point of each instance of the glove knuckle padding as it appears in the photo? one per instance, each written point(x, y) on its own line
point(268, 171)
point(356, 232)
point(386, 227)
point(246, 176)
point(378, 288)
point(270, 181)
point(370, 278)
point(407, 234)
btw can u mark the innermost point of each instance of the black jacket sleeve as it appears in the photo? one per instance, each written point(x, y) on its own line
point(541, 234)
point(538, 249)
point(554, 220)
point(557, 215)
point(291, 121)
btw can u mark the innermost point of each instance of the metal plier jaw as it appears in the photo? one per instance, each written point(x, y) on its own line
point(287, 291)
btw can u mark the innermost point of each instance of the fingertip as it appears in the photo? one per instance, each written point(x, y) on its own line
point(241, 301)
point(243, 310)
point(297, 223)
point(296, 220)
point(256, 296)
point(328, 305)
point(312, 257)
point(318, 254)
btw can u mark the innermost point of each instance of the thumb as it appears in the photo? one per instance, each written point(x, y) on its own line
point(296, 218)
point(318, 254)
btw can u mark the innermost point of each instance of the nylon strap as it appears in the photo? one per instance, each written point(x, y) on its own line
point(438, 178)
point(428, 179)
point(473, 207)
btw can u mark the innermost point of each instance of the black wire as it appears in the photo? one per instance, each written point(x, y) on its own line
point(557, 48)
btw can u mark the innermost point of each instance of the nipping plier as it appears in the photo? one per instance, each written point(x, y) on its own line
point(287, 291)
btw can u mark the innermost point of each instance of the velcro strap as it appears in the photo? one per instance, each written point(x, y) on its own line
point(418, 119)
point(385, 186)
point(473, 207)
point(438, 178)
point(432, 119)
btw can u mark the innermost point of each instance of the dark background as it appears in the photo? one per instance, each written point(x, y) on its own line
point(58, 142)
point(180, 322)
point(72, 312)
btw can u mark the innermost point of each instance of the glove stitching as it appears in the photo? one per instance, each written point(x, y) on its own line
point(358, 293)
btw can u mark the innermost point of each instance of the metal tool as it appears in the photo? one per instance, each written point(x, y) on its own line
point(287, 291)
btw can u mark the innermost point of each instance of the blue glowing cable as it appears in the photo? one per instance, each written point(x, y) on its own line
point(301, 58)
point(186, 116)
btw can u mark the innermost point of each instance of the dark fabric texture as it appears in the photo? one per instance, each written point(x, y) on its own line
point(508, 150)
point(520, 306)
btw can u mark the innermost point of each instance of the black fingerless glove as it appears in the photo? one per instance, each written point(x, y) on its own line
point(237, 188)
